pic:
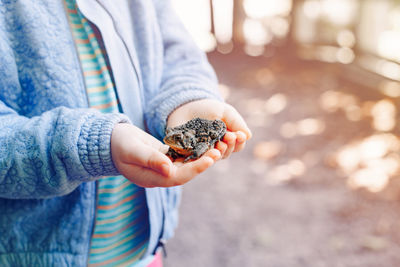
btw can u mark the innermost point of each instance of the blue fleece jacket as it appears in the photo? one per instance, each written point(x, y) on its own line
point(53, 147)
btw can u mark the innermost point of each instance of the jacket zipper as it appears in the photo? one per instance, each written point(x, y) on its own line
point(140, 86)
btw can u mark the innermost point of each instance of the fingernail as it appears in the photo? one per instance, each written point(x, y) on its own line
point(210, 162)
point(164, 149)
point(217, 155)
point(249, 134)
point(241, 136)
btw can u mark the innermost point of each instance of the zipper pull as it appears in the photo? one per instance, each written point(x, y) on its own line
point(162, 244)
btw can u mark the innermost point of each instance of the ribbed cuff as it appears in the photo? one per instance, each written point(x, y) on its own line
point(94, 144)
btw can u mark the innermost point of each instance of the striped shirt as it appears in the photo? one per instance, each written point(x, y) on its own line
point(121, 229)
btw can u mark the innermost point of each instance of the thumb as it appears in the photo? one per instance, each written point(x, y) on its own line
point(148, 157)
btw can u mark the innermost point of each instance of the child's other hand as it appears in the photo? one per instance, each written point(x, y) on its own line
point(237, 131)
point(141, 158)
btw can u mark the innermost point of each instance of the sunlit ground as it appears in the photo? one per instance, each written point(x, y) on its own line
point(368, 159)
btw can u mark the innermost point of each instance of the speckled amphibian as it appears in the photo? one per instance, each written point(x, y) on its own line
point(192, 139)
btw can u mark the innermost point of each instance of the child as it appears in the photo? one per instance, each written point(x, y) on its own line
point(86, 91)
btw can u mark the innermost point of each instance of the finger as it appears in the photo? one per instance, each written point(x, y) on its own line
point(240, 141)
point(179, 174)
point(222, 147)
point(230, 140)
point(148, 157)
point(213, 153)
point(153, 142)
point(235, 122)
point(163, 148)
point(145, 177)
point(187, 171)
point(147, 138)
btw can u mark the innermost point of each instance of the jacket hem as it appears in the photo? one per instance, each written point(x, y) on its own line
point(59, 259)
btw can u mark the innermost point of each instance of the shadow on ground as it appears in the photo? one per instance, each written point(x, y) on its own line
point(309, 189)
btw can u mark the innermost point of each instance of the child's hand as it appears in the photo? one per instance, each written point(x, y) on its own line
point(141, 158)
point(237, 131)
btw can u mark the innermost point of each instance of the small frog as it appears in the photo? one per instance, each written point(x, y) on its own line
point(192, 139)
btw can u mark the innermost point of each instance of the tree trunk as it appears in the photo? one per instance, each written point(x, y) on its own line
point(238, 19)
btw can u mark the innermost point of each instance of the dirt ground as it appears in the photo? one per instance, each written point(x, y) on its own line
point(285, 200)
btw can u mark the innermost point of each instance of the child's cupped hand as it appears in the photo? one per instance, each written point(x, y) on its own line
point(237, 130)
point(141, 158)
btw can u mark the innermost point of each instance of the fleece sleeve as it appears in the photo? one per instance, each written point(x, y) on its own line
point(187, 74)
point(51, 154)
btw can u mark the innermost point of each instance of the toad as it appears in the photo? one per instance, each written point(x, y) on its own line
point(192, 139)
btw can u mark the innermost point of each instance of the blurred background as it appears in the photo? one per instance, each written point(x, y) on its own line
point(319, 183)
